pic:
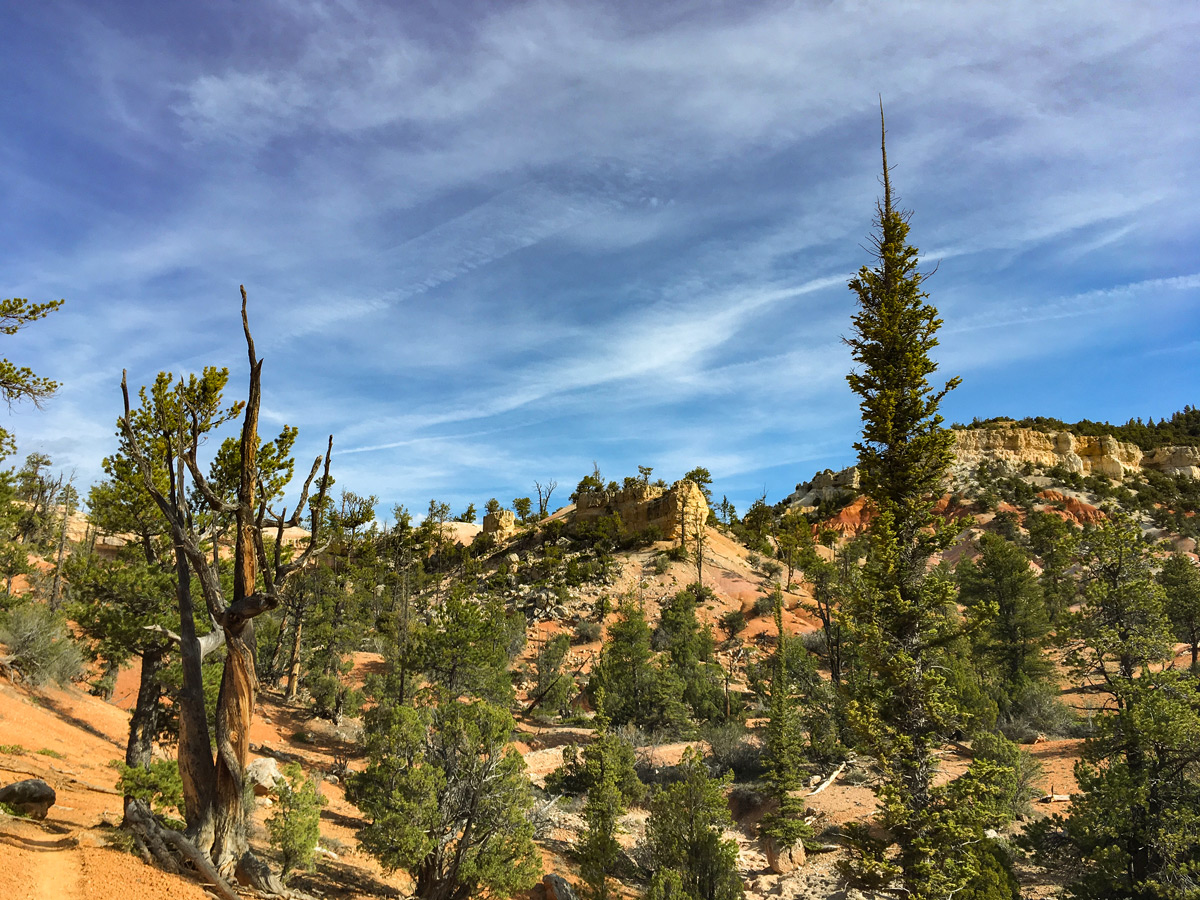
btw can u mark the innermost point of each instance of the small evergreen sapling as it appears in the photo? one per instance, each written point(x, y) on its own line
point(294, 827)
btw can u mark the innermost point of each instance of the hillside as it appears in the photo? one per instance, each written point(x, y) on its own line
point(562, 575)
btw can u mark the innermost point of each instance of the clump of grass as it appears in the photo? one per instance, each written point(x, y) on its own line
point(12, 749)
point(46, 751)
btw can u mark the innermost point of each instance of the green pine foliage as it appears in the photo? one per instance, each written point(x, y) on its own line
point(607, 770)
point(904, 709)
point(553, 688)
point(294, 826)
point(1055, 542)
point(447, 800)
point(690, 651)
point(1009, 628)
point(20, 382)
point(784, 754)
point(1134, 823)
point(639, 688)
point(1180, 580)
point(684, 834)
point(465, 650)
point(159, 787)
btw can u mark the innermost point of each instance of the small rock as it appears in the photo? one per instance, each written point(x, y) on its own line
point(263, 773)
point(32, 797)
point(558, 888)
point(785, 859)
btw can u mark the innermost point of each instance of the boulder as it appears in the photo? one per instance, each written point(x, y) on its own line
point(31, 797)
point(558, 888)
point(263, 773)
point(784, 859)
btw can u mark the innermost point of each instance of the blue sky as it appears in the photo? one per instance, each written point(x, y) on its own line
point(488, 243)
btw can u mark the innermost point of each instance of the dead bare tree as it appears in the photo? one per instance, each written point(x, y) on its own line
point(544, 496)
point(213, 785)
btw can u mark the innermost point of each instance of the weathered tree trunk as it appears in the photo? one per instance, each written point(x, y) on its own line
point(144, 723)
point(235, 711)
point(56, 590)
point(239, 681)
point(272, 667)
point(293, 681)
point(195, 747)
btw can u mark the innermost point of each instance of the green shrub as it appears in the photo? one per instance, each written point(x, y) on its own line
point(586, 632)
point(294, 827)
point(41, 647)
point(662, 563)
point(731, 750)
point(765, 605)
point(159, 787)
point(12, 749)
point(733, 622)
point(645, 537)
point(1019, 773)
point(994, 879)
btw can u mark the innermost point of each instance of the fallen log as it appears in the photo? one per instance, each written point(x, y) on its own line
point(828, 781)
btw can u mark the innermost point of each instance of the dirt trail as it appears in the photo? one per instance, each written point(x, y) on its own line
point(42, 862)
point(58, 870)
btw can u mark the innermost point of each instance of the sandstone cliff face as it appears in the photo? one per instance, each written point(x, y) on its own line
point(1015, 447)
point(1018, 446)
point(1174, 461)
point(644, 505)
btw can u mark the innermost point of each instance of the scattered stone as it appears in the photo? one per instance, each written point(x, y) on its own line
point(31, 797)
point(784, 859)
point(263, 773)
point(558, 888)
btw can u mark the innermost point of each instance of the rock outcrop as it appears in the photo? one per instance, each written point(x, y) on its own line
point(783, 860)
point(501, 523)
point(644, 505)
point(1016, 447)
point(826, 486)
point(558, 888)
point(262, 774)
point(1174, 461)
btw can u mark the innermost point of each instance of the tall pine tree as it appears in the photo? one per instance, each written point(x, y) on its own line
point(904, 710)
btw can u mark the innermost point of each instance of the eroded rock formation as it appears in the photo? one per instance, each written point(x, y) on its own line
point(502, 524)
point(1015, 448)
point(1084, 454)
point(640, 506)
